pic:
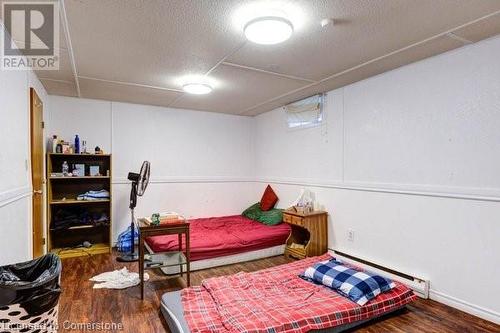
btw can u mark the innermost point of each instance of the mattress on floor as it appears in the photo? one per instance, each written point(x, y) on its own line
point(222, 236)
point(277, 299)
point(171, 308)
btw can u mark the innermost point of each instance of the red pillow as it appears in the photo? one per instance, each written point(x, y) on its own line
point(269, 199)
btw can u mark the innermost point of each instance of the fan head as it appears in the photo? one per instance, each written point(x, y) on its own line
point(143, 181)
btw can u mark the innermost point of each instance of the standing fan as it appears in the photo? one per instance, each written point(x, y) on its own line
point(139, 183)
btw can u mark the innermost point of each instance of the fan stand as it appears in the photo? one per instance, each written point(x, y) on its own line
point(132, 256)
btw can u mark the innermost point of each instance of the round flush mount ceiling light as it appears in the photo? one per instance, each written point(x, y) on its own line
point(268, 30)
point(197, 88)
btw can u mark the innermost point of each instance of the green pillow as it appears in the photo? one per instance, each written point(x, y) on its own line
point(270, 217)
point(253, 212)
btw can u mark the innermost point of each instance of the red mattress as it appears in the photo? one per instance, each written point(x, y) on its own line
point(221, 236)
point(278, 300)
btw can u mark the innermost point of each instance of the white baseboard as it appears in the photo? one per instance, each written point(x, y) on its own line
point(462, 305)
point(419, 285)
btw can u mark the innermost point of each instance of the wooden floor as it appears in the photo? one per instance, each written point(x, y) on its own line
point(81, 304)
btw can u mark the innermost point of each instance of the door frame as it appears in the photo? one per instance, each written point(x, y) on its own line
point(38, 231)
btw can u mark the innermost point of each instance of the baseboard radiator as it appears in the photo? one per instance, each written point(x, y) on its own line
point(418, 285)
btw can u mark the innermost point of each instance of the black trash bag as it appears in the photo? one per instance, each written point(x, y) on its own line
point(33, 284)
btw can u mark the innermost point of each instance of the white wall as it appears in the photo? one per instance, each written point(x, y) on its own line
point(407, 159)
point(201, 163)
point(410, 161)
point(15, 176)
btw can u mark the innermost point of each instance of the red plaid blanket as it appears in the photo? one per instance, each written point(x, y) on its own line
point(277, 300)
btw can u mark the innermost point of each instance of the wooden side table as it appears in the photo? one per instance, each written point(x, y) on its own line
point(164, 259)
point(309, 232)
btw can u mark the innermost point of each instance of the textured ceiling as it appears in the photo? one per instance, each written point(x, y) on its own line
point(138, 51)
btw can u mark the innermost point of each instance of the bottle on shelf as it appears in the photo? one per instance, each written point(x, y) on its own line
point(77, 144)
point(55, 142)
point(65, 168)
point(84, 147)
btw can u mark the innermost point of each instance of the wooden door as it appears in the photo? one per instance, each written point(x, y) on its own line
point(37, 162)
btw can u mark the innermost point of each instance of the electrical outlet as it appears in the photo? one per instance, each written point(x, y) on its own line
point(350, 235)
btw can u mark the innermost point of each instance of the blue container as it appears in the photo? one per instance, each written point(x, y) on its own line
point(124, 240)
point(77, 144)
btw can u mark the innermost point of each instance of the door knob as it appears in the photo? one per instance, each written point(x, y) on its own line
point(37, 192)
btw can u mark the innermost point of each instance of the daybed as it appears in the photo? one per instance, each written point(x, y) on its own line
point(225, 240)
point(273, 300)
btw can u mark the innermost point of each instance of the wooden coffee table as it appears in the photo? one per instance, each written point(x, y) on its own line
point(164, 259)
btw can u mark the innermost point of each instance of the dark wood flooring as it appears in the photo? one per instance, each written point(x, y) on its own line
point(80, 303)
